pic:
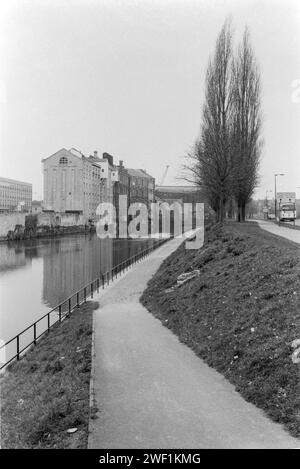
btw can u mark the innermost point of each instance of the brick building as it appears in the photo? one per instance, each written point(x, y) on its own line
point(121, 187)
point(141, 187)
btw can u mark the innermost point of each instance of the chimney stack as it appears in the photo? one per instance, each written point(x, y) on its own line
point(95, 154)
point(109, 157)
point(121, 163)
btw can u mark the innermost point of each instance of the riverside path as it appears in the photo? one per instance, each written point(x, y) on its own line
point(280, 230)
point(151, 391)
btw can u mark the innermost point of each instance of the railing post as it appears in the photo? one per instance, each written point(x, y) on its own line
point(48, 317)
point(103, 280)
point(107, 273)
point(98, 285)
point(92, 290)
point(34, 333)
point(69, 305)
point(59, 313)
point(77, 299)
point(18, 347)
point(84, 293)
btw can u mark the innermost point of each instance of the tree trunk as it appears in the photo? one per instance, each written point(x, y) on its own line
point(243, 212)
point(238, 212)
point(222, 206)
point(230, 209)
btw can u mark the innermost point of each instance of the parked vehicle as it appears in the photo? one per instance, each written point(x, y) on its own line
point(286, 204)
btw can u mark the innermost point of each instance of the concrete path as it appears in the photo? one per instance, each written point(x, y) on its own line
point(152, 391)
point(285, 232)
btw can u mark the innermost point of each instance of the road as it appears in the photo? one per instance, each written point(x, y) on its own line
point(285, 232)
point(152, 391)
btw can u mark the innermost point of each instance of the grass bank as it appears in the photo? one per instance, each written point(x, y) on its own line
point(47, 392)
point(240, 313)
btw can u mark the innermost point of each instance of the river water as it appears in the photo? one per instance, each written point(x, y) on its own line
point(36, 275)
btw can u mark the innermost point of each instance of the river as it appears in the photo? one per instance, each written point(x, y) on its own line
point(36, 275)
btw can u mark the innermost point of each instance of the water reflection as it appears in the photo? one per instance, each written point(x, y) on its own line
point(36, 275)
point(11, 257)
point(71, 264)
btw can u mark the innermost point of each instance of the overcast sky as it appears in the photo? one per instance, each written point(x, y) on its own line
point(127, 78)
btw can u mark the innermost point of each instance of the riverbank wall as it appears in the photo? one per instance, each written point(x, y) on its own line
point(20, 226)
point(8, 221)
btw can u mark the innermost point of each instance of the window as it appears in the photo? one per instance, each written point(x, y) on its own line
point(63, 160)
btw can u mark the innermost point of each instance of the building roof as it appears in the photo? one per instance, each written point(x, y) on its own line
point(64, 151)
point(146, 174)
point(96, 160)
point(93, 159)
point(141, 173)
point(76, 152)
point(179, 189)
point(14, 181)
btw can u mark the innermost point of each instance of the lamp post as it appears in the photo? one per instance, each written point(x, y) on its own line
point(280, 174)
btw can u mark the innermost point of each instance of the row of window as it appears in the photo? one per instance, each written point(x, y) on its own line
point(139, 192)
point(15, 199)
point(12, 205)
point(140, 182)
point(9, 190)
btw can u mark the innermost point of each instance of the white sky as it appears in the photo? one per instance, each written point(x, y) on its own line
point(128, 78)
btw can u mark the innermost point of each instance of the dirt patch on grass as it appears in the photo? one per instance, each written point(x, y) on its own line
point(240, 314)
point(47, 392)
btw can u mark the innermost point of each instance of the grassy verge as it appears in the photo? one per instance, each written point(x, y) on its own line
point(47, 392)
point(240, 314)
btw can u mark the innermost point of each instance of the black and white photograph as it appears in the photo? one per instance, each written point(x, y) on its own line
point(149, 230)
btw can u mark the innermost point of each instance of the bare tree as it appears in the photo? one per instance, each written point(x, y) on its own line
point(210, 162)
point(225, 159)
point(246, 141)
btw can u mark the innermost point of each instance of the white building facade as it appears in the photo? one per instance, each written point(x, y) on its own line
point(15, 195)
point(76, 183)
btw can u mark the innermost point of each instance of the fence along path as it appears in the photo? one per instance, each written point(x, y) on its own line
point(31, 334)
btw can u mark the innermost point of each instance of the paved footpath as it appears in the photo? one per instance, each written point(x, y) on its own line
point(285, 232)
point(152, 391)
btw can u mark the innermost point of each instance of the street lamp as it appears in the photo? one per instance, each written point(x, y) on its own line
point(280, 174)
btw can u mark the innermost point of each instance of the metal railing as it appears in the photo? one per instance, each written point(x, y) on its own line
point(64, 309)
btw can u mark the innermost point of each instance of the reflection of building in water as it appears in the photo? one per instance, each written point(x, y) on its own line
point(124, 249)
point(73, 263)
point(12, 257)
